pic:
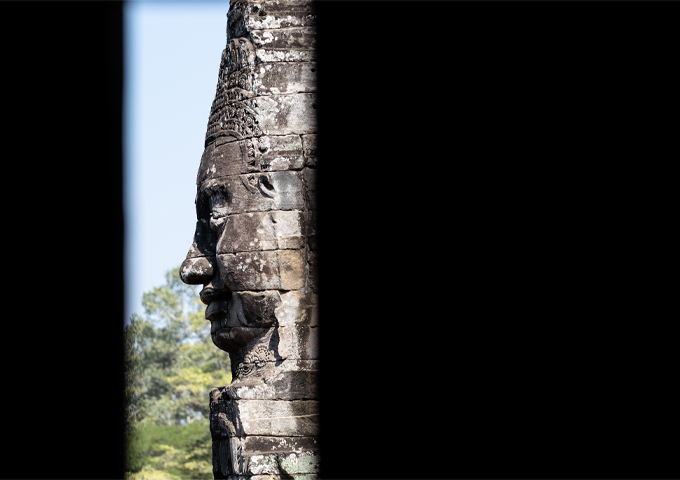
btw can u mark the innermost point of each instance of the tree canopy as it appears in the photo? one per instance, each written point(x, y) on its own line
point(171, 366)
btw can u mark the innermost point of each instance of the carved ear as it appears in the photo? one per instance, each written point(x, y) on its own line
point(265, 186)
point(250, 182)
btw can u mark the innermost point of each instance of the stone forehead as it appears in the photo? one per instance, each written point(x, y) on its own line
point(225, 158)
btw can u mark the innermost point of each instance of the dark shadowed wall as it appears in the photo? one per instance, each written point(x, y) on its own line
point(62, 136)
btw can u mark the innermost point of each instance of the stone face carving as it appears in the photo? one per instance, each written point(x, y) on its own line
point(254, 248)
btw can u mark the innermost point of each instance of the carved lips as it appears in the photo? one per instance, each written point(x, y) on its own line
point(230, 329)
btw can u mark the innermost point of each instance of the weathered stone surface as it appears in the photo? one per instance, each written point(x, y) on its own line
point(312, 259)
point(231, 417)
point(288, 114)
point(250, 270)
point(297, 307)
point(284, 77)
point(289, 229)
point(286, 385)
point(292, 269)
point(260, 445)
point(223, 159)
point(299, 342)
point(197, 270)
point(227, 156)
point(310, 187)
point(270, 14)
point(283, 464)
point(310, 226)
point(260, 192)
point(249, 232)
point(280, 153)
point(271, 55)
point(260, 231)
point(266, 270)
point(301, 476)
point(272, 417)
point(285, 39)
point(309, 149)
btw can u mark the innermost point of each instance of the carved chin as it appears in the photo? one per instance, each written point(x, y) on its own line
point(233, 338)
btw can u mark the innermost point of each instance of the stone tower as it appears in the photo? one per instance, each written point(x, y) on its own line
point(254, 249)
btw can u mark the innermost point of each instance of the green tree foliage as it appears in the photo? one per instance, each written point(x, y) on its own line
point(171, 366)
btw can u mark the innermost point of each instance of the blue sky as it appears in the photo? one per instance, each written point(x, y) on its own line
point(172, 59)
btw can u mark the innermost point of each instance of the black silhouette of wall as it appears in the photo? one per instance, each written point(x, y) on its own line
point(62, 148)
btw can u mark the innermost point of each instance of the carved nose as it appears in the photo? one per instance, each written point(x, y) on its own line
point(196, 271)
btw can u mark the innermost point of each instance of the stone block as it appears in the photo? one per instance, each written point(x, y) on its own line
point(266, 270)
point(302, 476)
point(248, 232)
point(261, 231)
point(288, 226)
point(284, 77)
point(271, 55)
point(260, 192)
point(278, 464)
point(280, 153)
point(309, 149)
point(286, 385)
point(279, 418)
point(286, 39)
point(296, 385)
point(298, 342)
point(288, 114)
point(223, 160)
point(297, 307)
point(250, 270)
point(292, 269)
point(227, 156)
point(309, 176)
point(310, 229)
point(313, 271)
point(271, 14)
point(263, 445)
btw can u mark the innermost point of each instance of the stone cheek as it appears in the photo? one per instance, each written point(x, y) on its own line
point(261, 231)
point(250, 270)
point(248, 232)
point(268, 270)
